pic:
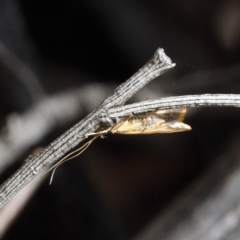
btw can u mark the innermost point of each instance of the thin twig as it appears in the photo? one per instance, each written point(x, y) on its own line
point(15, 206)
point(204, 100)
point(48, 114)
point(35, 165)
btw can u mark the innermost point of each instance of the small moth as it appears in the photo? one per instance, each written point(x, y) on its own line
point(160, 121)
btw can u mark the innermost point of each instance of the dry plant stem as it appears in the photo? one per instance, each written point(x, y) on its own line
point(35, 165)
point(204, 100)
point(45, 116)
point(14, 207)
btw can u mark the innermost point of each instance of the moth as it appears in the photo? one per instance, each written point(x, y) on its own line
point(160, 121)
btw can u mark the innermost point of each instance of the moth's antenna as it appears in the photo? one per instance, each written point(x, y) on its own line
point(70, 156)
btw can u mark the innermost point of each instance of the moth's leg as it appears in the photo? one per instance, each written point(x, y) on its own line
point(99, 132)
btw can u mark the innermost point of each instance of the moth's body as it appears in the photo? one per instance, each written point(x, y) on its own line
point(160, 121)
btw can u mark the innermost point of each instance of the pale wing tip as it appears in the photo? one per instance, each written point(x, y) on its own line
point(181, 117)
point(182, 114)
point(180, 127)
point(186, 127)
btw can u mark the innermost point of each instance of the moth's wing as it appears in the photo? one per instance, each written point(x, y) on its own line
point(168, 127)
point(174, 114)
point(128, 127)
point(161, 121)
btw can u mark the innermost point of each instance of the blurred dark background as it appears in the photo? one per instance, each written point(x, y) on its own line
point(120, 183)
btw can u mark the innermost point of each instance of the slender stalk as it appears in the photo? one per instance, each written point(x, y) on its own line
point(204, 100)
